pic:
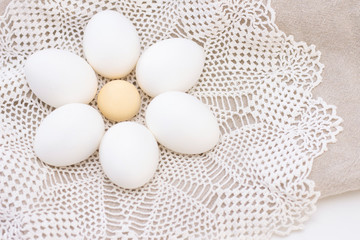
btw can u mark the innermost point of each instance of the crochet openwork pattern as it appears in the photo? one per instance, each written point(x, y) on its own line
point(256, 80)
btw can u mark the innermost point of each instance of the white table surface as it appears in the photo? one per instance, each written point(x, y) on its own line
point(336, 218)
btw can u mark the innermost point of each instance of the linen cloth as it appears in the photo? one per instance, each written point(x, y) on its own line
point(334, 27)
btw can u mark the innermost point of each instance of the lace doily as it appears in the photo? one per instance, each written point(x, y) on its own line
point(257, 81)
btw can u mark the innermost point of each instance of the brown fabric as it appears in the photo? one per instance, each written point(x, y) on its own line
point(334, 27)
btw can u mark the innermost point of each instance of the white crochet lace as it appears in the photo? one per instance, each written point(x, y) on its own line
point(257, 81)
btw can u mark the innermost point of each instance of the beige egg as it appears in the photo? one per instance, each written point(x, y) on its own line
point(119, 100)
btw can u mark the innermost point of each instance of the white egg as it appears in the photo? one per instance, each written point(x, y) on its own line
point(170, 65)
point(69, 134)
point(111, 44)
point(59, 77)
point(129, 154)
point(182, 123)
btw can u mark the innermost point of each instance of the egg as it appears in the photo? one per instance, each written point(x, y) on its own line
point(69, 134)
point(129, 154)
point(119, 100)
point(170, 65)
point(111, 44)
point(182, 123)
point(59, 77)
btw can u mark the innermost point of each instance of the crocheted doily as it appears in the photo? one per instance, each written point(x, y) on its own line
point(256, 80)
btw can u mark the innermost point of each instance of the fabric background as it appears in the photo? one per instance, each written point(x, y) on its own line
point(334, 27)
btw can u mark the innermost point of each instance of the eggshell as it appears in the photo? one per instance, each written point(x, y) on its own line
point(129, 154)
point(111, 44)
point(119, 100)
point(59, 77)
point(69, 135)
point(170, 65)
point(182, 123)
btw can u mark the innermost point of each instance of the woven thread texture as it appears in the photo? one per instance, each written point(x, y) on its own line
point(256, 80)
